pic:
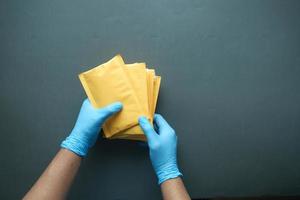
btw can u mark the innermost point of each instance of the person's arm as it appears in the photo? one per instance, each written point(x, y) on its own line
point(174, 189)
point(163, 154)
point(56, 180)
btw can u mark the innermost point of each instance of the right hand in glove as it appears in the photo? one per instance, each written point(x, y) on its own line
point(163, 147)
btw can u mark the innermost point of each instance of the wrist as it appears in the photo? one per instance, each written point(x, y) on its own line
point(75, 145)
point(167, 171)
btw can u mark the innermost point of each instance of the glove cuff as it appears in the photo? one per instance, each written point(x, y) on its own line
point(75, 145)
point(168, 172)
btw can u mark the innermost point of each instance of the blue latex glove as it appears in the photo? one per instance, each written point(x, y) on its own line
point(163, 147)
point(87, 127)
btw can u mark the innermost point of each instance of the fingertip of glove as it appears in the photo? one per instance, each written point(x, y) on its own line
point(117, 106)
point(143, 120)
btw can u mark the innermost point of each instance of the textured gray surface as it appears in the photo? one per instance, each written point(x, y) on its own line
point(231, 89)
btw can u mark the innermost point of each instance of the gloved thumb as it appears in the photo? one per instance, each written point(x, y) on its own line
point(109, 110)
point(148, 130)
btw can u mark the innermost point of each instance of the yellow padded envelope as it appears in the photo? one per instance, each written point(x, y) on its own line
point(108, 83)
point(137, 76)
point(150, 77)
point(157, 80)
point(137, 134)
point(132, 84)
point(156, 86)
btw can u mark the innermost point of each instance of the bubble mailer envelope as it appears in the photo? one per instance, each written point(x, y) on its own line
point(108, 83)
point(153, 84)
point(137, 75)
point(156, 85)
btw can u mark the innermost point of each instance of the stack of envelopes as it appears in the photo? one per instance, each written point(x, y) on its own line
point(135, 86)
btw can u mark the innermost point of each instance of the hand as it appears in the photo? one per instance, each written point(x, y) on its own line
point(87, 127)
point(163, 147)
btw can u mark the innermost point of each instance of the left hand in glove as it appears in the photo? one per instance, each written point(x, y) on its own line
point(87, 127)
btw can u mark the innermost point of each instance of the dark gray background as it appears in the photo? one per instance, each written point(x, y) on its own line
point(230, 87)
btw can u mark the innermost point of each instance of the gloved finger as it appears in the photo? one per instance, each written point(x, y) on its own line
point(161, 123)
point(109, 110)
point(148, 129)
